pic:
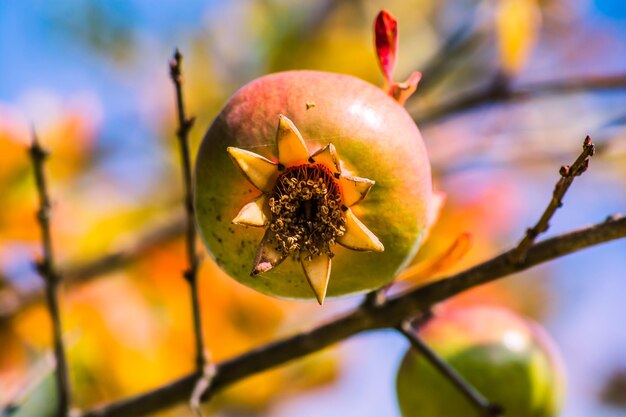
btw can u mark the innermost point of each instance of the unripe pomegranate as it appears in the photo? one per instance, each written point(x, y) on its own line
point(309, 183)
point(511, 361)
point(378, 152)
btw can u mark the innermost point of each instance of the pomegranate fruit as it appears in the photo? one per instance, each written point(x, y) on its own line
point(296, 128)
point(511, 361)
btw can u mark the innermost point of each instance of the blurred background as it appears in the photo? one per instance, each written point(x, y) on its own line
point(92, 79)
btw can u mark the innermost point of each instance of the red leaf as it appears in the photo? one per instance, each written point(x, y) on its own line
point(386, 37)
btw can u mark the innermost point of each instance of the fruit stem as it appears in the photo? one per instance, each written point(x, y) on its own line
point(486, 408)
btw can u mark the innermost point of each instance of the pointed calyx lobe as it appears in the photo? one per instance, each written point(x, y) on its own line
point(304, 206)
point(291, 147)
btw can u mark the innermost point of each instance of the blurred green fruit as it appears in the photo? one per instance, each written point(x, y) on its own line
point(510, 360)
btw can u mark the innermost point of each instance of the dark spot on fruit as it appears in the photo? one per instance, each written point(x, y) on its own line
point(218, 218)
point(310, 105)
point(219, 239)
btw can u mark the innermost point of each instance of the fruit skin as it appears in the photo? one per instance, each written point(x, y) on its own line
point(374, 137)
point(508, 359)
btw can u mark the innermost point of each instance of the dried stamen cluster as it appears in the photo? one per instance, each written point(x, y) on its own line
point(306, 211)
point(304, 206)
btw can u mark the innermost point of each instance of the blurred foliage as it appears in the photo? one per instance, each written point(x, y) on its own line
point(517, 28)
point(131, 330)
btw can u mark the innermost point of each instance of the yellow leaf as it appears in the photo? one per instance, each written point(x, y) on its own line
point(517, 27)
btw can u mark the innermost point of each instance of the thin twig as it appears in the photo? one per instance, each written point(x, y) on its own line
point(486, 408)
point(191, 274)
point(51, 277)
point(568, 173)
point(498, 92)
point(364, 318)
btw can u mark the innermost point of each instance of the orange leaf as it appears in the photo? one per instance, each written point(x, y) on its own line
point(386, 38)
point(440, 263)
